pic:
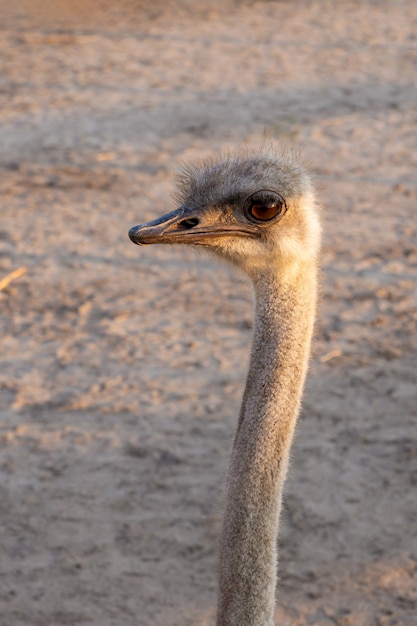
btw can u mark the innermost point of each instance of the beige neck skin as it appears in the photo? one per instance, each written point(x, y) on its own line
point(284, 319)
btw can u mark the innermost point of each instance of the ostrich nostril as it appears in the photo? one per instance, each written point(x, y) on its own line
point(189, 223)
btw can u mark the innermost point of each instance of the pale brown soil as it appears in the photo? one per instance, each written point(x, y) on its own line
point(122, 368)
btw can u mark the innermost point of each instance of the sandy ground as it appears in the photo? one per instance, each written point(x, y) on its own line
point(122, 368)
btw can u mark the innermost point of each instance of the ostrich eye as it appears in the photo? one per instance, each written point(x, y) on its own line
point(265, 208)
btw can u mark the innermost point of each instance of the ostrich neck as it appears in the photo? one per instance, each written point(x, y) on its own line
point(284, 318)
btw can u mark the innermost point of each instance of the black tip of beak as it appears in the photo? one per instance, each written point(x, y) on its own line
point(164, 229)
point(133, 234)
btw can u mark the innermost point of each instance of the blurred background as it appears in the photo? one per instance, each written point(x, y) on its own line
point(122, 369)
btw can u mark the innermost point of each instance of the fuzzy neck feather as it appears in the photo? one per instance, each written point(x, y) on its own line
point(284, 319)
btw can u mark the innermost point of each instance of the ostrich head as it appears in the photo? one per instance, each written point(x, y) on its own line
point(256, 211)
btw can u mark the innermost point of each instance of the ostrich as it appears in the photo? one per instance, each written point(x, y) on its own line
point(257, 211)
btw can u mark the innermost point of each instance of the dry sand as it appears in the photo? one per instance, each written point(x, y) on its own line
point(122, 369)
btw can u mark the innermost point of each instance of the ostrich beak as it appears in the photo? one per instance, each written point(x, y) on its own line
point(186, 225)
